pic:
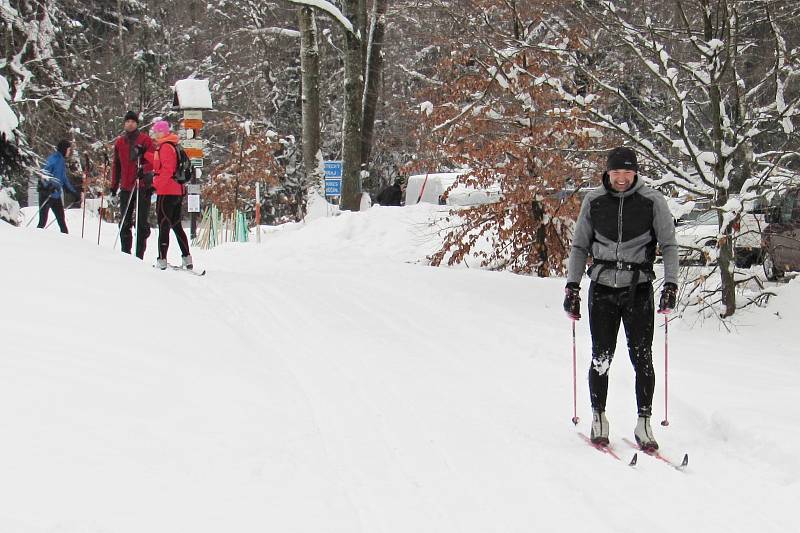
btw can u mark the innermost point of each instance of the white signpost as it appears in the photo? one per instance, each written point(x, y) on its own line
point(193, 201)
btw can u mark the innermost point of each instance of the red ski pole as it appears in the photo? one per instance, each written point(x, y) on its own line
point(665, 422)
point(99, 218)
point(422, 190)
point(575, 418)
point(83, 192)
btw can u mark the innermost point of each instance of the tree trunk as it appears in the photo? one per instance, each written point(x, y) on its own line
point(725, 259)
point(120, 25)
point(309, 61)
point(362, 23)
point(374, 72)
point(353, 90)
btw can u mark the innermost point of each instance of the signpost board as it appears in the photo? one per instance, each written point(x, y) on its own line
point(333, 178)
point(193, 203)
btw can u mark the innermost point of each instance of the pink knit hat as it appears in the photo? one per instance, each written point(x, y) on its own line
point(162, 126)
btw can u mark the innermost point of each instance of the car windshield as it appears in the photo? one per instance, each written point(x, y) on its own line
point(787, 207)
point(706, 219)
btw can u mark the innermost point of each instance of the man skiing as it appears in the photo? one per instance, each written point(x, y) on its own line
point(619, 225)
point(129, 172)
point(52, 184)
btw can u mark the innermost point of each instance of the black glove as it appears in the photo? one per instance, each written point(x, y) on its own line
point(668, 298)
point(147, 179)
point(112, 191)
point(572, 300)
point(139, 150)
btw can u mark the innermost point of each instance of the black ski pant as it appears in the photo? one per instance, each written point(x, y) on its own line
point(127, 202)
point(168, 210)
point(46, 204)
point(607, 307)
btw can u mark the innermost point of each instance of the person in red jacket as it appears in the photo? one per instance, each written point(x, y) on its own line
point(164, 159)
point(129, 172)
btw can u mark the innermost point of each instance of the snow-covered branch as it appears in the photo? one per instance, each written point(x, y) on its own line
point(330, 9)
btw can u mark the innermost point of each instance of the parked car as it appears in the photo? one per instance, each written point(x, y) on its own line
point(781, 238)
point(697, 235)
point(430, 188)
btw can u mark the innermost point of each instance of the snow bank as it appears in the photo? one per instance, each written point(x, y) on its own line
point(321, 381)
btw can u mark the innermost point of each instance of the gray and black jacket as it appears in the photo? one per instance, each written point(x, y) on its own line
point(620, 231)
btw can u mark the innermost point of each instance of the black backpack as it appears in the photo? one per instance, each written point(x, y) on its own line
point(183, 169)
point(48, 184)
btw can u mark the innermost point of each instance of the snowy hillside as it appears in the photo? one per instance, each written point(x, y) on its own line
point(325, 381)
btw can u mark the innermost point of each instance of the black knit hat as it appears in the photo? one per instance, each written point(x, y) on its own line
point(622, 158)
point(131, 115)
point(63, 146)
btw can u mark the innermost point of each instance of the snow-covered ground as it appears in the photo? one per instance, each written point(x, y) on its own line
point(326, 381)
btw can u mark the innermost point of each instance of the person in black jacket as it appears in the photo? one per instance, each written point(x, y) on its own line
point(619, 225)
point(393, 194)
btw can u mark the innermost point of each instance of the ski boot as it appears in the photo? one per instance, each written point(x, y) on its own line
point(644, 435)
point(599, 435)
point(161, 264)
point(186, 262)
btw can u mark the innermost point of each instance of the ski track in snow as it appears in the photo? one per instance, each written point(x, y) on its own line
point(320, 382)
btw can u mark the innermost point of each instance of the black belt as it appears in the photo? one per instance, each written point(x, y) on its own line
point(636, 268)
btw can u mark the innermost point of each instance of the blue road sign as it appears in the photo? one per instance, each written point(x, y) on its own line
point(333, 169)
point(333, 187)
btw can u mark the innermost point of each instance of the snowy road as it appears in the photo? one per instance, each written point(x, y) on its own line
point(322, 382)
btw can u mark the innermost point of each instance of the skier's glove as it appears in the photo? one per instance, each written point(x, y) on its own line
point(147, 179)
point(139, 150)
point(112, 191)
point(572, 300)
point(668, 298)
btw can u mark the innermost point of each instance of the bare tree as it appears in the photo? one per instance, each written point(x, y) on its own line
point(309, 61)
point(681, 83)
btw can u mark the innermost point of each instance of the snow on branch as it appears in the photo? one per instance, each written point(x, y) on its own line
point(330, 9)
point(420, 76)
point(280, 32)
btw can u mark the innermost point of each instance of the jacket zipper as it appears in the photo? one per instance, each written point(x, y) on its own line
point(619, 237)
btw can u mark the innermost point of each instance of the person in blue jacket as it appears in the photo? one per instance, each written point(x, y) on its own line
point(52, 184)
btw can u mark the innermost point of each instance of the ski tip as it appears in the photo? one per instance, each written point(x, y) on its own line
point(634, 459)
point(685, 461)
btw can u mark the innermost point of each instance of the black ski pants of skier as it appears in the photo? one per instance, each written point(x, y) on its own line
point(127, 202)
point(607, 307)
point(168, 209)
point(47, 204)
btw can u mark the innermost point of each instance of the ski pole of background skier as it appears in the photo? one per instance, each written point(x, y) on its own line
point(83, 192)
point(665, 422)
point(70, 206)
point(100, 210)
point(99, 218)
point(39, 212)
point(121, 222)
